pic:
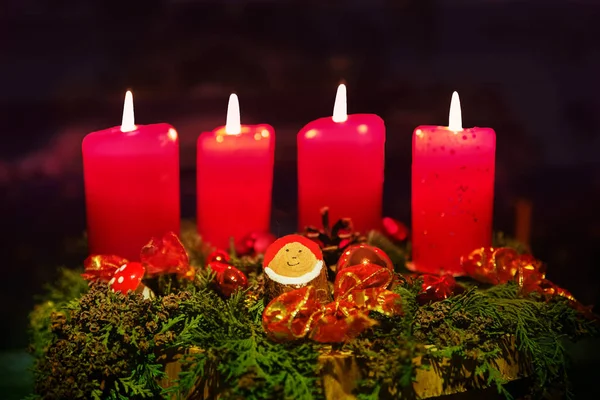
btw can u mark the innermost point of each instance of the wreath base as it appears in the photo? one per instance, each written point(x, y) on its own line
point(340, 374)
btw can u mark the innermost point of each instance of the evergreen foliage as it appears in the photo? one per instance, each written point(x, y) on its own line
point(68, 286)
point(97, 344)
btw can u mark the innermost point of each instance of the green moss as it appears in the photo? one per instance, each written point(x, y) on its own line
point(67, 287)
point(106, 345)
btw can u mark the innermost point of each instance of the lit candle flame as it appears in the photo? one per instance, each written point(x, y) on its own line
point(233, 125)
point(455, 118)
point(128, 122)
point(340, 107)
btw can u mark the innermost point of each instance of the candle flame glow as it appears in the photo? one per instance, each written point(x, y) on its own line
point(128, 122)
point(233, 125)
point(340, 107)
point(455, 118)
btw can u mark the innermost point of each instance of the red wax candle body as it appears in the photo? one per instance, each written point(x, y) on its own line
point(452, 195)
point(235, 181)
point(131, 187)
point(340, 165)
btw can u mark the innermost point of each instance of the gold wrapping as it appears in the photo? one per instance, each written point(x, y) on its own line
point(320, 283)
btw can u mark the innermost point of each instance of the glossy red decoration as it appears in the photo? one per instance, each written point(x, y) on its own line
point(254, 243)
point(363, 254)
point(339, 322)
point(229, 278)
point(549, 289)
point(395, 229)
point(262, 241)
point(436, 288)
point(217, 267)
point(218, 256)
point(166, 255)
point(357, 290)
point(127, 277)
point(288, 316)
point(360, 277)
point(500, 265)
point(101, 267)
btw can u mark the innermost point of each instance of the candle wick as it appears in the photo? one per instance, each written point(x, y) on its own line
point(340, 107)
point(128, 122)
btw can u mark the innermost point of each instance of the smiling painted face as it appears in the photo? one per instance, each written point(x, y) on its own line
point(293, 260)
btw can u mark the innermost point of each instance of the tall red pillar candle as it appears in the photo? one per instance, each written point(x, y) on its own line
point(235, 179)
point(340, 165)
point(452, 193)
point(131, 175)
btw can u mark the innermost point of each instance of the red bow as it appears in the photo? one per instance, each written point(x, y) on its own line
point(501, 265)
point(436, 287)
point(102, 267)
point(357, 290)
point(165, 255)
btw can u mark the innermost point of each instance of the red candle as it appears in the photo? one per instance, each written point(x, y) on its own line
point(235, 179)
point(452, 192)
point(340, 165)
point(131, 175)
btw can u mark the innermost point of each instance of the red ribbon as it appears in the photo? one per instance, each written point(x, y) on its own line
point(102, 267)
point(437, 288)
point(164, 255)
point(357, 290)
point(503, 264)
point(500, 265)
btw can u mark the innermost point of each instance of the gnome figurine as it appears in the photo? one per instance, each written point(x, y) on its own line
point(292, 262)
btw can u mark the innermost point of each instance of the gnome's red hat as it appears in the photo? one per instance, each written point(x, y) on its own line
point(274, 248)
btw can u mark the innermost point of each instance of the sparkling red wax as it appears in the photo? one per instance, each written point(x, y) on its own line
point(452, 195)
point(131, 187)
point(340, 165)
point(235, 181)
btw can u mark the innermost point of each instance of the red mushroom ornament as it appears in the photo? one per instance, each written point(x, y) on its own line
point(127, 277)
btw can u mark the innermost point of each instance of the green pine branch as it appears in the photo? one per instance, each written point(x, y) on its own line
point(225, 350)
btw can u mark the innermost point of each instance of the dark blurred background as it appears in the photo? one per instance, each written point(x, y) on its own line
point(528, 69)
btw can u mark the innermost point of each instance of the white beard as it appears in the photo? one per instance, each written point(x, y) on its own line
point(295, 280)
